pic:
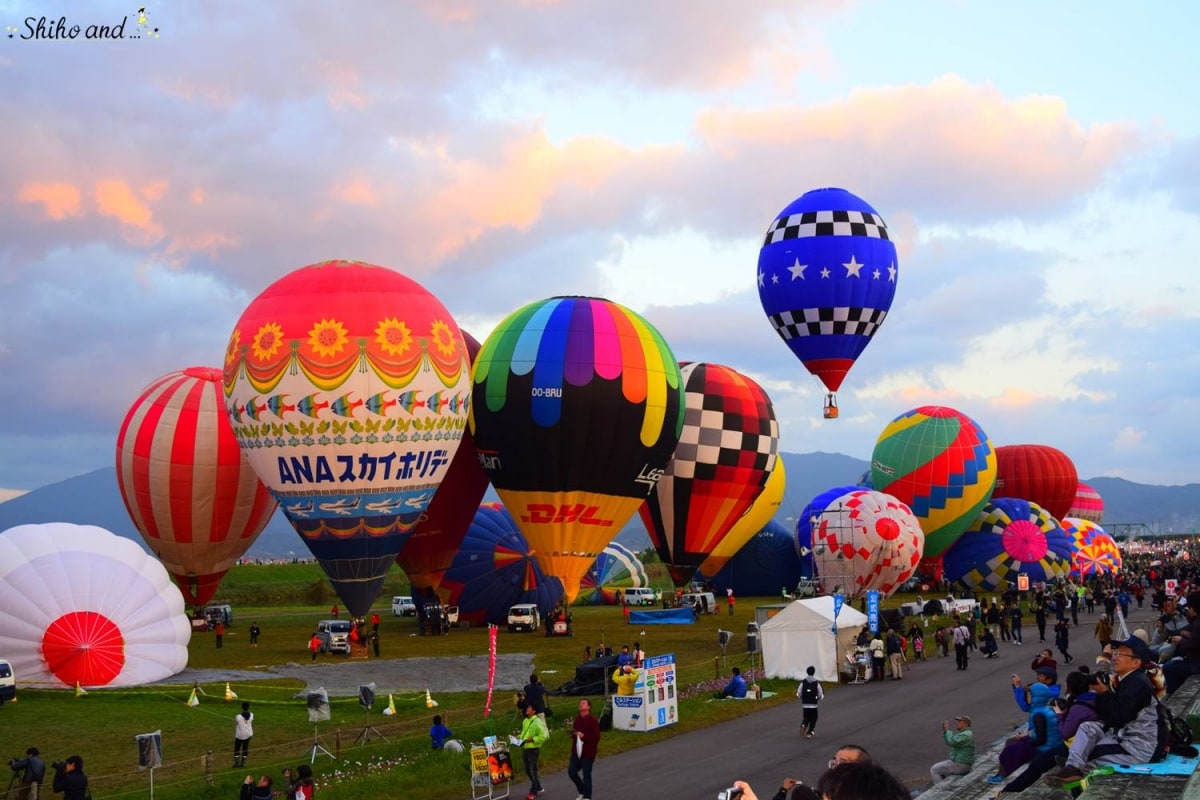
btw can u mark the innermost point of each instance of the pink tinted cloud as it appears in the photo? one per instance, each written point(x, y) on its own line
point(117, 199)
point(58, 200)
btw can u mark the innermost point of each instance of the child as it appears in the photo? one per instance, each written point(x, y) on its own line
point(439, 733)
point(918, 647)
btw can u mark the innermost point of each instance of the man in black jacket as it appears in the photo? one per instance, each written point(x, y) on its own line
point(535, 695)
point(69, 778)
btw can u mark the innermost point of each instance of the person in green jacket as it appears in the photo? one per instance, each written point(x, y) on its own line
point(533, 736)
point(962, 750)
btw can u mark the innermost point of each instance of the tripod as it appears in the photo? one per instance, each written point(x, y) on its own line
point(13, 780)
point(364, 735)
point(317, 747)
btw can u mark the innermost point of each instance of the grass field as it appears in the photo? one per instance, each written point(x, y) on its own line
point(197, 741)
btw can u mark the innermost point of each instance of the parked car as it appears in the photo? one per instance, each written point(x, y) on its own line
point(403, 606)
point(219, 612)
point(334, 635)
point(640, 596)
point(706, 601)
point(808, 587)
point(8, 682)
point(524, 617)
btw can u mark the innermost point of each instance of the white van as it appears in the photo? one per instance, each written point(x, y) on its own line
point(334, 635)
point(640, 596)
point(706, 601)
point(524, 617)
point(403, 606)
point(8, 682)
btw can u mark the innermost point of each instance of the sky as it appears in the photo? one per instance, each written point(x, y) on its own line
point(1037, 166)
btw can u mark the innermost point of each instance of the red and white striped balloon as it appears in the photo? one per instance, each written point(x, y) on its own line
point(186, 484)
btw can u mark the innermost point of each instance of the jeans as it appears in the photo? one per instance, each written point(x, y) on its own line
point(529, 757)
point(579, 770)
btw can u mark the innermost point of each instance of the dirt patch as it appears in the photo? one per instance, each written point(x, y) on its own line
point(342, 678)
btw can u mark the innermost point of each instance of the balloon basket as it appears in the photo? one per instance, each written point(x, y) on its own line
point(831, 406)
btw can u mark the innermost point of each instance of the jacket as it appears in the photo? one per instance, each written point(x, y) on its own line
point(1129, 712)
point(1082, 709)
point(589, 726)
point(1043, 722)
point(73, 784)
point(962, 745)
point(34, 769)
point(533, 732)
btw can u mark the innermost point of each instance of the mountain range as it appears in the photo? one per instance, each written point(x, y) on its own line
point(94, 499)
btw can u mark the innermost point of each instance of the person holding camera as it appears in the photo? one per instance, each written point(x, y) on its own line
point(300, 782)
point(257, 790)
point(1127, 732)
point(69, 778)
point(961, 740)
point(33, 772)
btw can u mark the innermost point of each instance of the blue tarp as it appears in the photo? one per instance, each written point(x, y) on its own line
point(667, 616)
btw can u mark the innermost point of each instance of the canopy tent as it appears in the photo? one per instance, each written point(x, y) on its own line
point(801, 636)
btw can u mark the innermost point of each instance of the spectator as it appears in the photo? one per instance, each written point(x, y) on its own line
point(535, 695)
point(70, 780)
point(439, 733)
point(736, 686)
point(961, 740)
point(1127, 732)
point(1187, 648)
point(810, 693)
point(32, 771)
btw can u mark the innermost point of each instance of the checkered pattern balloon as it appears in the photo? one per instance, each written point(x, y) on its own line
point(866, 540)
point(1092, 549)
point(1009, 536)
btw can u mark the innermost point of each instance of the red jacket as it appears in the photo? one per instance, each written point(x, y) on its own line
point(589, 726)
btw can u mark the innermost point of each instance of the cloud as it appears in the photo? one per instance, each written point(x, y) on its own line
point(58, 200)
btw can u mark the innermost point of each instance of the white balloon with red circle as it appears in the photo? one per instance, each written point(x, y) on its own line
point(866, 540)
point(83, 606)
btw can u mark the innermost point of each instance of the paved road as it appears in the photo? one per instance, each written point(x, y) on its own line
point(899, 722)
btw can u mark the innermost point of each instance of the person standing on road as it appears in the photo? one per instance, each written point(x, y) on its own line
point(895, 654)
point(811, 694)
point(962, 750)
point(254, 632)
point(1014, 622)
point(1062, 639)
point(584, 746)
point(243, 732)
point(533, 736)
point(962, 638)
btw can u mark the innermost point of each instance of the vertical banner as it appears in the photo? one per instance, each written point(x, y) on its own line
point(838, 601)
point(487, 707)
point(873, 610)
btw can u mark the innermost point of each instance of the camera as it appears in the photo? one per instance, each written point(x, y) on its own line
point(1101, 677)
point(59, 765)
point(12, 764)
point(732, 793)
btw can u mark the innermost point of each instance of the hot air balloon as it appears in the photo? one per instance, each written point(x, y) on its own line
point(765, 565)
point(809, 518)
point(1093, 551)
point(1087, 504)
point(1036, 472)
point(348, 386)
point(1010, 536)
point(754, 520)
point(826, 278)
point(85, 606)
point(577, 406)
point(617, 568)
point(430, 548)
point(941, 464)
point(494, 569)
point(186, 484)
point(866, 540)
point(728, 448)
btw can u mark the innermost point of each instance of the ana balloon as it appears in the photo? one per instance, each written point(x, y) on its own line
point(348, 386)
point(940, 463)
point(494, 570)
point(1039, 473)
point(430, 548)
point(754, 520)
point(728, 448)
point(826, 278)
point(577, 406)
point(866, 541)
point(1010, 536)
point(85, 606)
point(617, 568)
point(187, 486)
point(1088, 504)
point(765, 565)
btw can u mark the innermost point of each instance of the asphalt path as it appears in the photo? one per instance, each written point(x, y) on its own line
point(898, 722)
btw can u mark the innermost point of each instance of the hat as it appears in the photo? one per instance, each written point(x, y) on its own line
point(1049, 672)
point(1135, 646)
point(965, 719)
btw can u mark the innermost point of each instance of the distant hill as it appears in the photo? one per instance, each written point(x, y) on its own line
point(94, 499)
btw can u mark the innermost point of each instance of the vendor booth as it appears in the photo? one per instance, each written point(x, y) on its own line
point(801, 635)
point(653, 703)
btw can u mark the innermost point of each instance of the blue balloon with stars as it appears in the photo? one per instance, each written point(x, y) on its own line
point(826, 278)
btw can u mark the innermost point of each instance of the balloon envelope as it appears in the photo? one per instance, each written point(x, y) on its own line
point(1093, 550)
point(866, 541)
point(616, 568)
point(1039, 473)
point(765, 565)
point(1088, 504)
point(187, 486)
point(809, 518)
point(577, 406)
point(750, 523)
point(941, 464)
point(348, 385)
point(494, 570)
point(728, 447)
point(1010, 536)
point(83, 605)
point(826, 279)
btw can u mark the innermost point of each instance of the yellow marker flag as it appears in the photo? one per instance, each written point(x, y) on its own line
point(79, 690)
point(429, 701)
point(193, 700)
point(229, 693)
point(390, 711)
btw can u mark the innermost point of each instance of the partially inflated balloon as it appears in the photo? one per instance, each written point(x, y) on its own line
point(348, 385)
point(1093, 551)
point(430, 549)
point(940, 463)
point(750, 523)
point(85, 606)
point(1010, 536)
point(1036, 472)
point(186, 484)
point(728, 448)
point(866, 541)
point(826, 278)
point(617, 568)
point(577, 406)
point(1088, 504)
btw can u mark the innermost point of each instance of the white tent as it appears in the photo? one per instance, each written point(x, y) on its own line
point(801, 636)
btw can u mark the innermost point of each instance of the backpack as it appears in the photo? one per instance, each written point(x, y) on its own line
point(1174, 735)
point(808, 692)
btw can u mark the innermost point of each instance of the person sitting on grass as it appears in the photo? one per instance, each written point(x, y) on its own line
point(736, 687)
